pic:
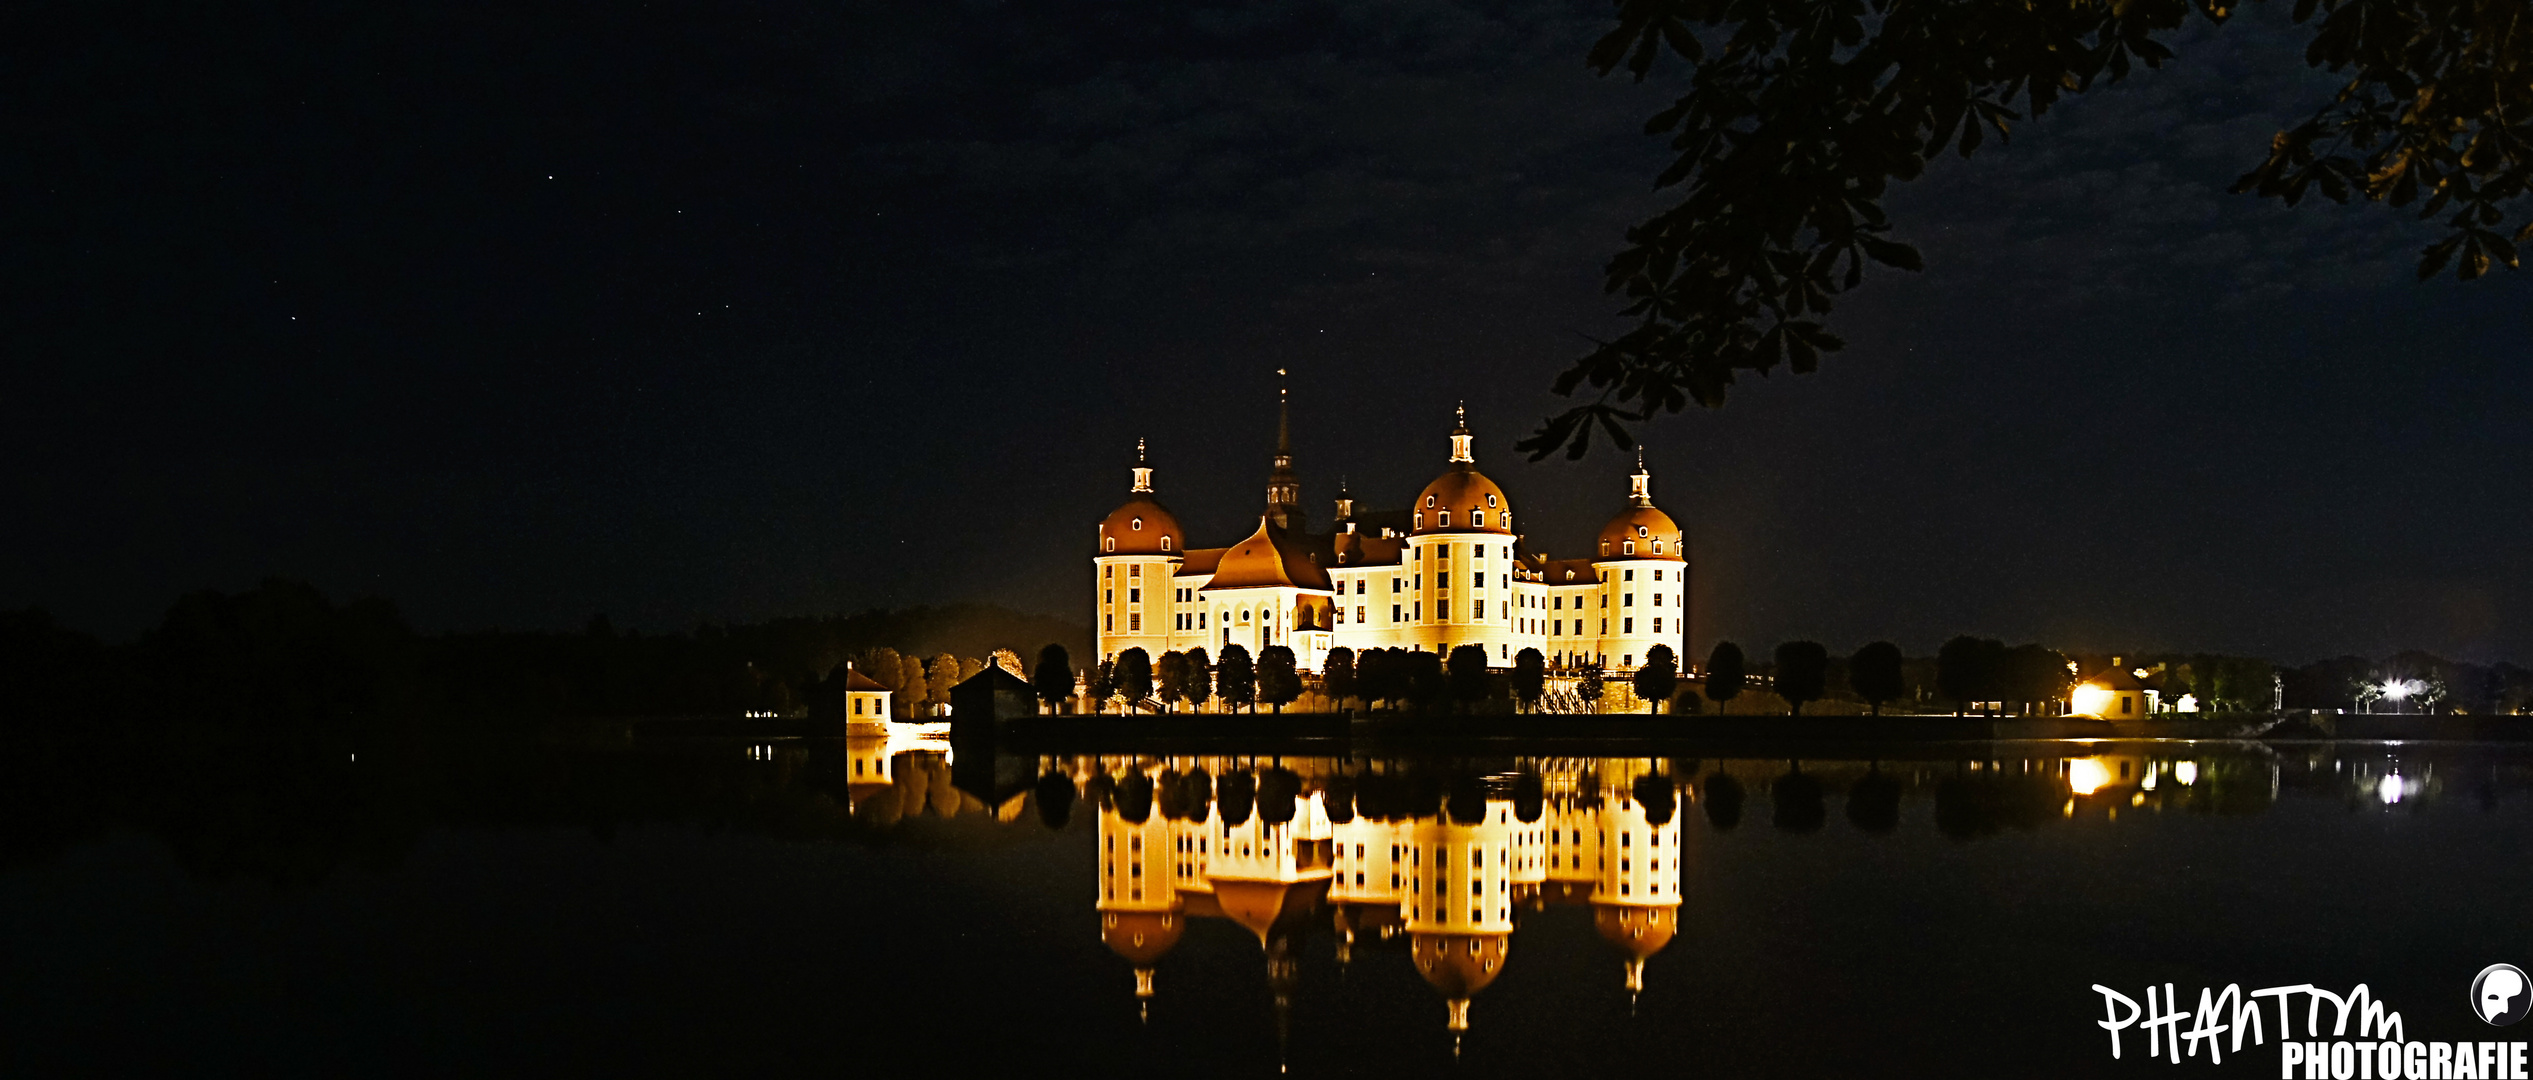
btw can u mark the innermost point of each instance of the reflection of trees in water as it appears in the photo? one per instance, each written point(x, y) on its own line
point(1873, 803)
point(1723, 800)
point(1797, 801)
point(1983, 803)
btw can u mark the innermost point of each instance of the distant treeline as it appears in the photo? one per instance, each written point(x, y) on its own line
point(1982, 674)
point(285, 655)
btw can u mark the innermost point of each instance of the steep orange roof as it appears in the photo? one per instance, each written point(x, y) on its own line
point(1270, 557)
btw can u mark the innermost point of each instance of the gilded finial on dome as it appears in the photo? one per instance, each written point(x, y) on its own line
point(1460, 438)
point(1640, 485)
point(1143, 473)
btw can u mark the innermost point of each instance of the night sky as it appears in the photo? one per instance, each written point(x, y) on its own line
point(516, 313)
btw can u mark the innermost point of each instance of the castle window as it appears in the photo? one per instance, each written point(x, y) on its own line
point(1109, 623)
point(1442, 519)
point(1559, 627)
point(1627, 575)
point(1657, 547)
point(1358, 613)
point(1136, 524)
point(1642, 531)
point(1657, 575)
point(1108, 544)
point(1165, 543)
point(1134, 623)
point(1490, 500)
point(1135, 571)
point(1657, 626)
point(1630, 548)
point(1508, 518)
point(1627, 600)
point(857, 706)
point(1420, 519)
point(1429, 500)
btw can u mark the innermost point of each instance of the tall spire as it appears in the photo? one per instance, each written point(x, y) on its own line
point(1284, 489)
point(1640, 485)
point(1460, 439)
point(1143, 473)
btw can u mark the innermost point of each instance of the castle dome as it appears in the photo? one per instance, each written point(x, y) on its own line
point(1142, 526)
point(1462, 500)
point(1640, 532)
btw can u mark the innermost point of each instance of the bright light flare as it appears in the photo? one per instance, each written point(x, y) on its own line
point(2390, 789)
point(2089, 700)
point(2187, 772)
point(2086, 776)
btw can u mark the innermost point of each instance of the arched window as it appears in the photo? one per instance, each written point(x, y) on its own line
point(1490, 500)
point(1631, 547)
point(1642, 531)
point(1109, 544)
point(1420, 519)
point(1429, 500)
point(1657, 549)
point(1442, 519)
point(1165, 543)
point(1136, 524)
point(1508, 518)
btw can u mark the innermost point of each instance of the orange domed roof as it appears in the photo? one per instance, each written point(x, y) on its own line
point(1459, 965)
point(1141, 937)
point(1463, 500)
point(1638, 931)
point(1640, 532)
point(1142, 526)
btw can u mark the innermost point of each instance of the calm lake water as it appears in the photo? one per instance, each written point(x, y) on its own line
point(843, 906)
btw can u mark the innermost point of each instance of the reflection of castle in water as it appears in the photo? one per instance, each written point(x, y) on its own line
point(1437, 862)
point(1449, 863)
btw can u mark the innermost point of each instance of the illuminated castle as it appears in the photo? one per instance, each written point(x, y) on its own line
point(1450, 570)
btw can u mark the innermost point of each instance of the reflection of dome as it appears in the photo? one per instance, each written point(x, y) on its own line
point(1270, 556)
point(1140, 937)
point(1459, 965)
point(1639, 932)
point(1259, 905)
point(1141, 526)
point(1653, 533)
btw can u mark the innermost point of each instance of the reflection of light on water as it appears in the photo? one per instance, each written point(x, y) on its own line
point(932, 737)
point(2086, 776)
point(2390, 789)
point(2147, 782)
point(2187, 772)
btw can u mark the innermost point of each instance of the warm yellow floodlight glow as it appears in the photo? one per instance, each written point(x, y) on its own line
point(2089, 700)
point(2086, 776)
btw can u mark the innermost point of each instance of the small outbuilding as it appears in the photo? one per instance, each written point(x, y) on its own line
point(2114, 693)
point(993, 694)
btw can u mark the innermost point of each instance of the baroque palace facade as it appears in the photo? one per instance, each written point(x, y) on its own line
point(1451, 570)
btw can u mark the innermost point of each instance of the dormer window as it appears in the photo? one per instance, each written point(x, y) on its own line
point(1165, 543)
point(1442, 519)
point(1508, 518)
point(1630, 547)
point(1420, 519)
point(1490, 500)
point(1108, 544)
point(1136, 524)
point(1657, 549)
point(1642, 531)
point(1429, 500)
